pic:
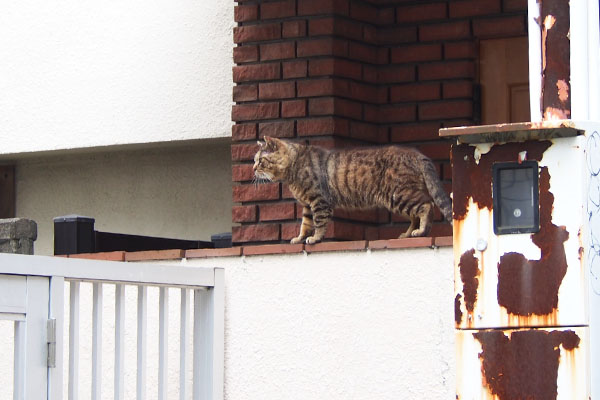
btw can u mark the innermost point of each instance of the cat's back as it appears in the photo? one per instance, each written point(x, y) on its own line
point(378, 157)
point(368, 176)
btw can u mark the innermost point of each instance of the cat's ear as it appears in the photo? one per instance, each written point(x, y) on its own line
point(273, 143)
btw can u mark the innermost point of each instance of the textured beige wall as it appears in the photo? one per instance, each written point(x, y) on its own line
point(79, 75)
point(180, 191)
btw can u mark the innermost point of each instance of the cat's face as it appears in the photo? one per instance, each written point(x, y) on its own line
point(271, 160)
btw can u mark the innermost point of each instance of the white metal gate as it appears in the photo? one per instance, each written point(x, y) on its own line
point(25, 300)
point(32, 295)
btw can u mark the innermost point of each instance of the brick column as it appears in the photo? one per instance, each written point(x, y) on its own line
point(348, 73)
point(17, 235)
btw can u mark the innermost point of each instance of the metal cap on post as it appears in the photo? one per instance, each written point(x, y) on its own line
point(221, 240)
point(73, 234)
point(17, 235)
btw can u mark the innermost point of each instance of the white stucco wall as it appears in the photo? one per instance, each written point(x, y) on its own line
point(343, 325)
point(81, 74)
point(181, 192)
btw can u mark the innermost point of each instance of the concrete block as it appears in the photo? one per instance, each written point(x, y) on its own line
point(17, 235)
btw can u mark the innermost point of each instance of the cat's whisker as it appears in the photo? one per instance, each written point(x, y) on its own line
point(261, 178)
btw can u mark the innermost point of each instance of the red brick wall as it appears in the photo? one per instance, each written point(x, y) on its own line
point(351, 72)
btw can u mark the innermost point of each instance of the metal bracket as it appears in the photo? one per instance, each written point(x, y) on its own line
point(51, 335)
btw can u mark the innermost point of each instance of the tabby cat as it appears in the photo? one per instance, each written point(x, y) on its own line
point(400, 179)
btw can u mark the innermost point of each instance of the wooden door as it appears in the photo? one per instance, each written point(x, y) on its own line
point(504, 80)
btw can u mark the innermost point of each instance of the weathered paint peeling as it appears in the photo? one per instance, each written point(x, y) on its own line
point(466, 169)
point(457, 311)
point(563, 90)
point(554, 114)
point(528, 287)
point(527, 335)
point(516, 132)
point(525, 364)
point(469, 271)
point(548, 24)
point(556, 70)
point(481, 149)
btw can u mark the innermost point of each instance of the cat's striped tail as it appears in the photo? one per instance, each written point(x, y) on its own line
point(436, 191)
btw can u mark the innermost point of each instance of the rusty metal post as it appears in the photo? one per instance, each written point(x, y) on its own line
point(554, 26)
point(527, 302)
point(556, 59)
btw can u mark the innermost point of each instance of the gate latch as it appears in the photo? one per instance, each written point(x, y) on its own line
point(51, 335)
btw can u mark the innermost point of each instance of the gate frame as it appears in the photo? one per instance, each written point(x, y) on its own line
point(207, 283)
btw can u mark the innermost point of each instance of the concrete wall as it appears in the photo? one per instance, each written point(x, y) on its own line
point(343, 325)
point(82, 74)
point(338, 325)
point(174, 191)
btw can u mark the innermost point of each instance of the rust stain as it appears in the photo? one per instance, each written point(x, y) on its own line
point(524, 365)
point(528, 287)
point(563, 90)
point(457, 312)
point(555, 60)
point(553, 114)
point(512, 132)
point(533, 320)
point(548, 24)
point(472, 180)
point(469, 271)
point(556, 124)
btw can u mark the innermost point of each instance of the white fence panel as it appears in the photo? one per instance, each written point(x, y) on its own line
point(71, 286)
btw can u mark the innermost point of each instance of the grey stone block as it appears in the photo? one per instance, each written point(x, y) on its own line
point(17, 228)
point(17, 246)
point(17, 235)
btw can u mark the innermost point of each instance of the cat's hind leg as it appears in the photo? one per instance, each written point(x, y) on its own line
point(414, 221)
point(425, 216)
point(306, 227)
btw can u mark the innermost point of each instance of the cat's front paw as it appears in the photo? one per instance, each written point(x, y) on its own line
point(297, 240)
point(312, 240)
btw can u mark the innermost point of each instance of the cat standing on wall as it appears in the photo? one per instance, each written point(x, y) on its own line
point(398, 178)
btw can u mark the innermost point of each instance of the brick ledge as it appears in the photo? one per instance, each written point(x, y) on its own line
point(266, 249)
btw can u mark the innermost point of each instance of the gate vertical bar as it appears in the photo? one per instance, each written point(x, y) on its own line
point(119, 342)
point(183, 341)
point(163, 333)
point(73, 340)
point(199, 383)
point(218, 329)
point(142, 315)
point(19, 360)
point(97, 342)
point(55, 375)
point(209, 349)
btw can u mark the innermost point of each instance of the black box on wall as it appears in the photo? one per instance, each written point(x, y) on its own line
point(73, 234)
